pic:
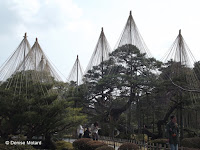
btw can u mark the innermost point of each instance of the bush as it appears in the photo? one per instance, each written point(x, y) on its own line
point(159, 141)
point(60, 145)
point(105, 148)
point(92, 145)
point(80, 144)
point(185, 148)
point(123, 135)
point(128, 146)
point(191, 142)
point(17, 147)
point(139, 137)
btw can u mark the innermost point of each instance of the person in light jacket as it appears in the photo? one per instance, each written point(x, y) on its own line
point(80, 131)
point(94, 131)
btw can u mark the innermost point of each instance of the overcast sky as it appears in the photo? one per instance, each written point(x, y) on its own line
point(66, 28)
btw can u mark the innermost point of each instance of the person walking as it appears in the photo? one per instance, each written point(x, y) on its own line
point(172, 133)
point(86, 133)
point(94, 130)
point(80, 131)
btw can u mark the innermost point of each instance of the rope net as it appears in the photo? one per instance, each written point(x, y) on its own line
point(131, 35)
point(181, 62)
point(25, 67)
point(15, 60)
point(38, 61)
point(76, 73)
point(101, 52)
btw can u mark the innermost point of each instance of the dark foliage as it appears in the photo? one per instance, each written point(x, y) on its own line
point(105, 148)
point(191, 142)
point(92, 145)
point(128, 146)
point(81, 144)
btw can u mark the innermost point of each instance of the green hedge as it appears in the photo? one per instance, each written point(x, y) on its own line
point(60, 145)
point(140, 137)
point(105, 148)
point(128, 146)
point(80, 144)
point(160, 141)
point(185, 148)
point(16, 147)
point(92, 145)
point(87, 144)
point(191, 142)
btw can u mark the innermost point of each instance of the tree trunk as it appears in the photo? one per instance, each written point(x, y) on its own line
point(161, 122)
point(48, 143)
point(116, 112)
point(164, 121)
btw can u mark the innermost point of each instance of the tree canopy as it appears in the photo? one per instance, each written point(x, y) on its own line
point(40, 113)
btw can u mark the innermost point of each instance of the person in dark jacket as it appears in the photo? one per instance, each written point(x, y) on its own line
point(172, 133)
point(87, 133)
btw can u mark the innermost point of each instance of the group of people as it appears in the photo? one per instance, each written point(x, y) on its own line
point(172, 132)
point(89, 132)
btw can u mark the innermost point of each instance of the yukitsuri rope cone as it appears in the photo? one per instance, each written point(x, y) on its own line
point(27, 66)
point(76, 73)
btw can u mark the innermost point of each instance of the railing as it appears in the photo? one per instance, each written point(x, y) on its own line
point(116, 142)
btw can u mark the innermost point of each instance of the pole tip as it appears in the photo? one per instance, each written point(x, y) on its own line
point(77, 56)
point(102, 29)
point(25, 35)
point(36, 39)
point(180, 31)
point(130, 12)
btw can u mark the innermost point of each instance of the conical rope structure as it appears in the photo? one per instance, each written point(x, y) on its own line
point(182, 62)
point(131, 35)
point(27, 67)
point(101, 52)
point(99, 56)
point(37, 60)
point(12, 64)
point(76, 73)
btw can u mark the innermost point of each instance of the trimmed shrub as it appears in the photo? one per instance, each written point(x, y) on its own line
point(140, 137)
point(17, 147)
point(105, 148)
point(128, 146)
point(159, 141)
point(185, 148)
point(80, 144)
point(191, 142)
point(60, 145)
point(92, 145)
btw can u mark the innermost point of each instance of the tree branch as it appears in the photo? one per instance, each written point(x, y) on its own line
point(183, 89)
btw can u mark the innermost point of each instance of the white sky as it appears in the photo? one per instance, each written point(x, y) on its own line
point(66, 28)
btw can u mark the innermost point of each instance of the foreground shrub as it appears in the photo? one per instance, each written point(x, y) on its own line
point(92, 145)
point(105, 148)
point(191, 142)
point(159, 141)
point(128, 146)
point(140, 137)
point(60, 145)
point(80, 144)
point(185, 148)
point(16, 147)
